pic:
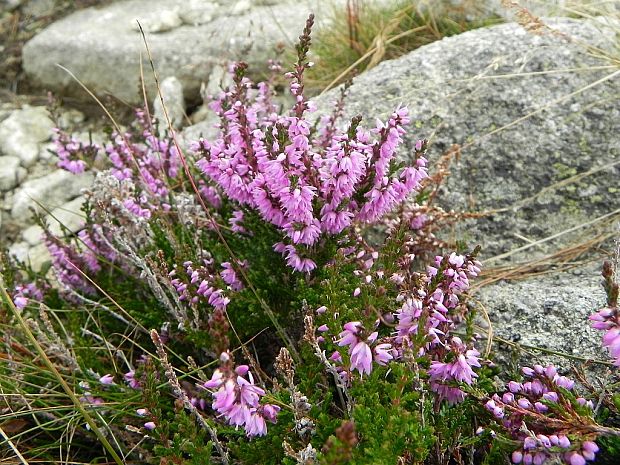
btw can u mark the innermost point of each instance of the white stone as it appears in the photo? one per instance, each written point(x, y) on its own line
point(197, 12)
point(33, 234)
point(50, 191)
point(34, 256)
point(240, 7)
point(11, 173)
point(172, 93)
point(158, 21)
point(106, 58)
point(69, 118)
point(66, 217)
point(23, 131)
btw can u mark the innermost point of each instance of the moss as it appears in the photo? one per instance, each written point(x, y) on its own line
point(563, 171)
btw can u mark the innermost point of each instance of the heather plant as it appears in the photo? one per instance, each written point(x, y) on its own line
point(228, 305)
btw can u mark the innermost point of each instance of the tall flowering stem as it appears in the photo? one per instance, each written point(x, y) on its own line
point(311, 183)
point(608, 318)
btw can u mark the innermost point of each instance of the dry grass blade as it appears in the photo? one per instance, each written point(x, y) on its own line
point(607, 216)
point(489, 343)
point(366, 55)
point(15, 450)
point(543, 350)
point(76, 402)
point(561, 260)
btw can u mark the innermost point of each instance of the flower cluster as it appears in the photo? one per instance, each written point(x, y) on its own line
point(457, 369)
point(608, 318)
point(147, 159)
point(540, 412)
point(72, 261)
point(199, 283)
point(363, 350)
point(72, 152)
point(422, 324)
point(428, 313)
point(237, 398)
point(23, 293)
point(307, 185)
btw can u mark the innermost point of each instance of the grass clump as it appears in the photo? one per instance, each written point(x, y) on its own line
point(366, 33)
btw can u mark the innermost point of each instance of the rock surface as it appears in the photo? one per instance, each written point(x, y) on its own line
point(549, 312)
point(504, 95)
point(172, 94)
point(11, 173)
point(22, 133)
point(103, 48)
point(52, 190)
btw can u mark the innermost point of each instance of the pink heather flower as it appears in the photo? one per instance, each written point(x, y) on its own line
point(360, 351)
point(229, 275)
point(361, 357)
point(523, 416)
point(131, 380)
point(23, 294)
point(107, 380)
point(608, 320)
point(142, 412)
point(459, 370)
point(336, 357)
point(574, 458)
point(304, 183)
point(149, 425)
point(382, 353)
point(20, 302)
point(237, 398)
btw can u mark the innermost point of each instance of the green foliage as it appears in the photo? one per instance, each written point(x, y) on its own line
point(392, 420)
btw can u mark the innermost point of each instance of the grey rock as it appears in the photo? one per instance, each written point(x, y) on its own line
point(19, 250)
point(68, 217)
point(548, 7)
point(550, 313)
point(196, 12)
point(103, 48)
point(9, 5)
point(172, 93)
point(11, 173)
point(32, 235)
point(240, 7)
point(205, 129)
point(158, 21)
point(34, 256)
point(23, 131)
point(477, 90)
point(51, 191)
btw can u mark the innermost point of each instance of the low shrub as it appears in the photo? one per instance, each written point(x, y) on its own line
point(227, 306)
